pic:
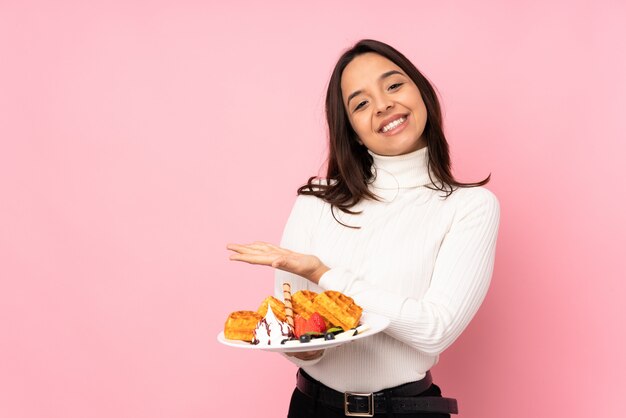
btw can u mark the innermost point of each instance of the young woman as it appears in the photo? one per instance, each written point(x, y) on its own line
point(392, 228)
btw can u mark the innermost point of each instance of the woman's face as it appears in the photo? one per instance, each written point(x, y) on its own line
point(384, 105)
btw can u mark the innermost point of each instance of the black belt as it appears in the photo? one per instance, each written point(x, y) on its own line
point(401, 399)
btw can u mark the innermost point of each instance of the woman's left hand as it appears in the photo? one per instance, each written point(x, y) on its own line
point(308, 266)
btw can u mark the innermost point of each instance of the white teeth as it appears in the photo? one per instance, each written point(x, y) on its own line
point(393, 124)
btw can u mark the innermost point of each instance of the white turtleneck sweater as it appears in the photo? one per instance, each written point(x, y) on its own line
point(422, 261)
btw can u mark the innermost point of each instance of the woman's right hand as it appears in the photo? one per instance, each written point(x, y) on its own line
point(263, 253)
point(307, 355)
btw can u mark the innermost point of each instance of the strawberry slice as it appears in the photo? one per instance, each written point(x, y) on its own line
point(315, 324)
point(299, 325)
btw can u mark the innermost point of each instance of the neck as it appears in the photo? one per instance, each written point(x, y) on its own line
point(401, 171)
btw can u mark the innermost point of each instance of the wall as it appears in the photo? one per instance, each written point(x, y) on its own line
point(138, 138)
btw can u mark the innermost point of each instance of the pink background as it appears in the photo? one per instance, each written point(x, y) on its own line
point(138, 138)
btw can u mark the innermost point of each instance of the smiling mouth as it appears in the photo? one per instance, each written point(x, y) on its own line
point(393, 124)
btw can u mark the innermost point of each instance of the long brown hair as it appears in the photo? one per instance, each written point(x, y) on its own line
point(349, 163)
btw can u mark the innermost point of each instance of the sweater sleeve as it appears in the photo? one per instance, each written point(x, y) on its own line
point(297, 237)
point(459, 282)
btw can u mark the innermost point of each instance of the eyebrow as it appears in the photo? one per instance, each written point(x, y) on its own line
point(382, 77)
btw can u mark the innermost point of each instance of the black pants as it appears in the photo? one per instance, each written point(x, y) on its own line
point(302, 406)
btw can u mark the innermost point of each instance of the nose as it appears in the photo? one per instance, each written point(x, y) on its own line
point(383, 104)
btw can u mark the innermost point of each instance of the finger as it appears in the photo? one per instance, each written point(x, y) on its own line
point(266, 246)
point(307, 355)
point(260, 243)
point(276, 248)
point(259, 246)
point(261, 259)
point(286, 263)
point(279, 262)
point(256, 248)
point(242, 249)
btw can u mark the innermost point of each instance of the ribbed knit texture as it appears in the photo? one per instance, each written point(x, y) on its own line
point(423, 261)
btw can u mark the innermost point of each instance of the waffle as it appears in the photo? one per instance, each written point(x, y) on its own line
point(339, 309)
point(240, 325)
point(277, 307)
point(303, 303)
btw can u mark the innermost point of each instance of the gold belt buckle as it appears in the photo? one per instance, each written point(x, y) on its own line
point(370, 404)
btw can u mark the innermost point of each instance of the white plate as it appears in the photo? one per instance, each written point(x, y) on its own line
point(374, 323)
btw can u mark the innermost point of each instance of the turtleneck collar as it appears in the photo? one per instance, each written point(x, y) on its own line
point(401, 171)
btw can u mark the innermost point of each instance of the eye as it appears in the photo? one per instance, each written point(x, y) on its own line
point(360, 105)
point(395, 86)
